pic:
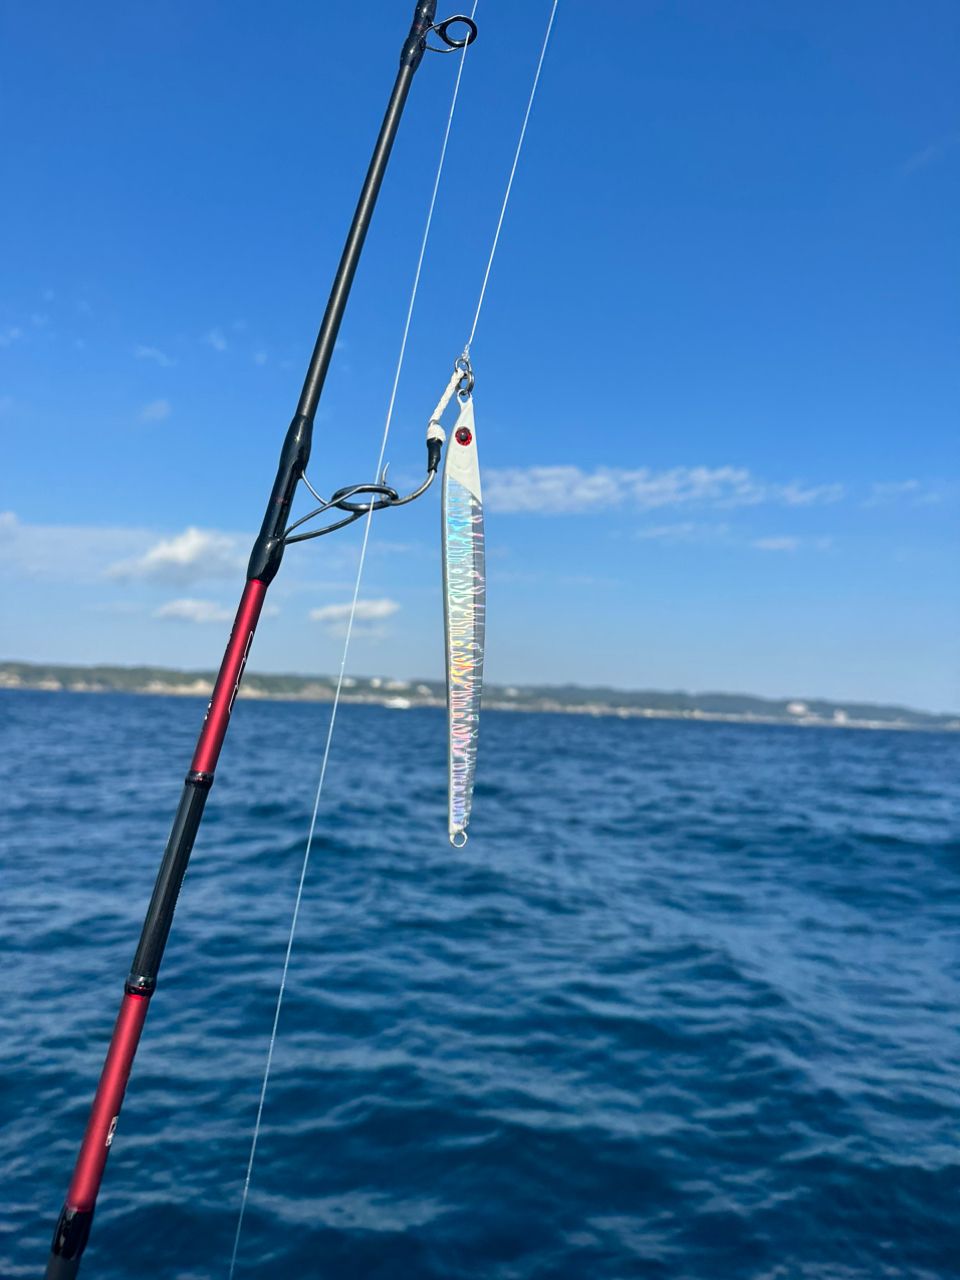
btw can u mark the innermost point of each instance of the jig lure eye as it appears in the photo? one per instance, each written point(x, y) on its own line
point(464, 435)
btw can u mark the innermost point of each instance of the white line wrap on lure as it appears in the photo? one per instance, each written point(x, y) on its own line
point(464, 602)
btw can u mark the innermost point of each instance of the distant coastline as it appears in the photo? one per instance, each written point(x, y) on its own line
point(385, 691)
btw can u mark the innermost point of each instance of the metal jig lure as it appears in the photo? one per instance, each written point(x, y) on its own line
point(464, 594)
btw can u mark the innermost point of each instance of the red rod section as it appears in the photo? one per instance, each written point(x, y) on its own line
point(228, 681)
point(88, 1173)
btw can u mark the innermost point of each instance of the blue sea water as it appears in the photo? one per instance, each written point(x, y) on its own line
point(686, 1006)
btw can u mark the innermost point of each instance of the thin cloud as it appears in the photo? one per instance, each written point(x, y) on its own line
point(790, 543)
point(932, 153)
point(215, 338)
point(155, 354)
point(155, 411)
point(191, 556)
point(260, 358)
point(10, 335)
point(366, 611)
point(796, 495)
point(685, 531)
point(201, 611)
point(569, 489)
point(691, 532)
point(335, 617)
point(73, 553)
point(785, 543)
point(189, 610)
point(891, 493)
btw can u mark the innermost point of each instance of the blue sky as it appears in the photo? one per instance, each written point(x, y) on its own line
point(716, 370)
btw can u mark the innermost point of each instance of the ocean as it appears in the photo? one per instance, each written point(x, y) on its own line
point(686, 1006)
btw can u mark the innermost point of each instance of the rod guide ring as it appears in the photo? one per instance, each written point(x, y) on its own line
point(453, 42)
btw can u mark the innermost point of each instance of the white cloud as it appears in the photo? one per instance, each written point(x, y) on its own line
point(188, 610)
point(155, 411)
point(155, 354)
point(260, 358)
point(335, 617)
point(568, 489)
point(191, 556)
point(795, 495)
point(550, 489)
point(200, 611)
point(215, 338)
point(366, 611)
point(10, 335)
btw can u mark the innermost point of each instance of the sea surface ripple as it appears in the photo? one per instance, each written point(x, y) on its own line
point(686, 1006)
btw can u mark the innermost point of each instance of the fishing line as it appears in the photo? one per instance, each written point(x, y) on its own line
point(513, 170)
point(364, 546)
point(343, 661)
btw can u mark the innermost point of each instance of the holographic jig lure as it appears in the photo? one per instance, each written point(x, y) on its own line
point(464, 595)
point(464, 610)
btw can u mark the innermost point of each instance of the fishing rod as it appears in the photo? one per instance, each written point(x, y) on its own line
point(73, 1226)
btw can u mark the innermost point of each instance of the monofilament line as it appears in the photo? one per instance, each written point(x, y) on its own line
point(513, 171)
point(343, 666)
